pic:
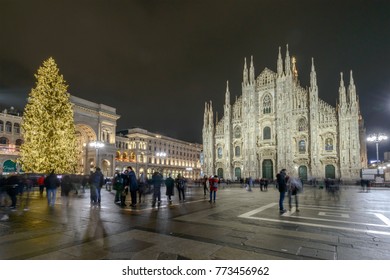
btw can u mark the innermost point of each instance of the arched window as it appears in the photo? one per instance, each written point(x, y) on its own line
point(8, 127)
point(267, 104)
point(302, 124)
point(1, 126)
point(266, 133)
point(329, 144)
point(18, 142)
point(16, 128)
point(219, 152)
point(302, 146)
point(237, 132)
point(237, 151)
point(3, 140)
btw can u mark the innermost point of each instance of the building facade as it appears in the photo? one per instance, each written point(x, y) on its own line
point(148, 152)
point(276, 123)
point(95, 123)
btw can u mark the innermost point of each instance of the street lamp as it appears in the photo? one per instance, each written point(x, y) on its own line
point(97, 145)
point(377, 138)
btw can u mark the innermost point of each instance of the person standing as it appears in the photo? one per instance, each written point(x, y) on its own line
point(96, 182)
point(180, 185)
point(294, 185)
point(170, 184)
point(213, 182)
point(84, 183)
point(51, 184)
point(282, 186)
point(142, 184)
point(118, 186)
point(133, 185)
point(157, 181)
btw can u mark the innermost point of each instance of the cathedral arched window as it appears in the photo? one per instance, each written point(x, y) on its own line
point(266, 133)
point(237, 151)
point(267, 104)
point(302, 146)
point(329, 144)
point(237, 132)
point(219, 152)
point(302, 124)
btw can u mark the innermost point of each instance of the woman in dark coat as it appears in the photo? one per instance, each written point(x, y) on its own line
point(170, 184)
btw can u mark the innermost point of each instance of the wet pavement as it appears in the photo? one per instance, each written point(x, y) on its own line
point(241, 225)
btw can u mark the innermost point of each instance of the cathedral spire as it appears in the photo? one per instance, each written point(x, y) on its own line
point(280, 64)
point(287, 63)
point(313, 75)
point(205, 115)
point(211, 117)
point(342, 96)
point(245, 73)
point(351, 89)
point(294, 68)
point(252, 72)
point(227, 94)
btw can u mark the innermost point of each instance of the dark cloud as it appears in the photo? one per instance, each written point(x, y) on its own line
point(157, 62)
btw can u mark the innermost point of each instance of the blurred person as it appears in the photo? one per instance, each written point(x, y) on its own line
point(157, 181)
point(119, 187)
point(84, 182)
point(51, 184)
point(294, 186)
point(142, 185)
point(41, 185)
point(205, 188)
point(170, 184)
point(66, 187)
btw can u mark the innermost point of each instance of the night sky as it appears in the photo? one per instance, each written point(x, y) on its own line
point(158, 62)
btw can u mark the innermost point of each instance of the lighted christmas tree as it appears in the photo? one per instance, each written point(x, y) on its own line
point(48, 125)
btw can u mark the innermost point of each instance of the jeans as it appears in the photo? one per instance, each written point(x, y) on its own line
point(51, 196)
point(156, 194)
point(213, 195)
point(181, 193)
point(98, 194)
point(281, 199)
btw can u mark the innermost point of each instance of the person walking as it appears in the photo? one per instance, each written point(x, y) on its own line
point(133, 186)
point(157, 181)
point(96, 181)
point(84, 183)
point(41, 185)
point(282, 186)
point(205, 188)
point(180, 185)
point(294, 186)
point(51, 184)
point(170, 184)
point(66, 187)
point(142, 184)
point(213, 182)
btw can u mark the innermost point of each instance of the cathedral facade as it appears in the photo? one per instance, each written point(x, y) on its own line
point(276, 123)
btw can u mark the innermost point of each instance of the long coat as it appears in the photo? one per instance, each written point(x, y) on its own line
point(170, 184)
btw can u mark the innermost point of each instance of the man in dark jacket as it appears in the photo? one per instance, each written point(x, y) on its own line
point(96, 181)
point(282, 185)
point(51, 184)
point(133, 185)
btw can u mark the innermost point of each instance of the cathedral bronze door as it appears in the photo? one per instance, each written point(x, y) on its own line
point(302, 172)
point(237, 173)
point(220, 172)
point(268, 169)
point(330, 172)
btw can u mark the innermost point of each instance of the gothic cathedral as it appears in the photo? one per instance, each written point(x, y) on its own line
point(276, 124)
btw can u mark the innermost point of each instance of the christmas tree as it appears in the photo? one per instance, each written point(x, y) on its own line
point(48, 126)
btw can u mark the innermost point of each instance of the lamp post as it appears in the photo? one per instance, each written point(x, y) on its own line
point(97, 145)
point(377, 138)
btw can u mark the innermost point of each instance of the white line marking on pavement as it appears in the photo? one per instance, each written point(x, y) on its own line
point(249, 215)
point(383, 218)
